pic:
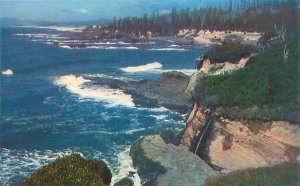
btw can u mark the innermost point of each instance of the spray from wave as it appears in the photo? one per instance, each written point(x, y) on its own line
point(78, 85)
point(125, 165)
point(142, 68)
point(7, 72)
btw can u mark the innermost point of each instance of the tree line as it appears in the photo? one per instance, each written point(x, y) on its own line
point(247, 15)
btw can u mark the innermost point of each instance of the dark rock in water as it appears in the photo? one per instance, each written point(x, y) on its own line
point(77, 45)
point(164, 164)
point(124, 182)
point(167, 90)
point(131, 173)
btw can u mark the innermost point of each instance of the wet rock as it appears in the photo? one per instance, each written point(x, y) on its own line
point(238, 144)
point(163, 164)
point(124, 182)
point(167, 90)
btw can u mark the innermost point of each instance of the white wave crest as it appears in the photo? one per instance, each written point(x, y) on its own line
point(142, 68)
point(59, 28)
point(113, 47)
point(113, 97)
point(159, 117)
point(126, 166)
point(65, 46)
point(134, 130)
point(168, 49)
point(7, 72)
point(120, 78)
point(185, 71)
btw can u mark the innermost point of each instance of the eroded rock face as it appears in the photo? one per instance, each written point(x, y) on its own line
point(209, 68)
point(164, 164)
point(234, 145)
point(195, 123)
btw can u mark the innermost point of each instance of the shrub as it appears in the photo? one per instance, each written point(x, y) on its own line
point(266, 80)
point(229, 52)
point(71, 170)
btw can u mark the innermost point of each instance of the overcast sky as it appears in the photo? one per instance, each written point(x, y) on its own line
point(80, 10)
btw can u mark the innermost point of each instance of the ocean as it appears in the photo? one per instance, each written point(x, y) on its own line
point(52, 103)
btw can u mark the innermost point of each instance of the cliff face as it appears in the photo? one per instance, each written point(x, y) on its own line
point(233, 143)
point(238, 144)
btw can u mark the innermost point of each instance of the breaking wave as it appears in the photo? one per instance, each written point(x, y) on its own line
point(142, 68)
point(7, 72)
point(126, 166)
point(77, 85)
point(168, 49)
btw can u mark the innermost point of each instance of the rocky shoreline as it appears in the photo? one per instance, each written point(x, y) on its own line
point(184, 37)
point(226, 145)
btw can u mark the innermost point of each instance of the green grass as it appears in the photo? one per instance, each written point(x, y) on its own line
point(71, 170)
point(287, 174)
point(266, 80)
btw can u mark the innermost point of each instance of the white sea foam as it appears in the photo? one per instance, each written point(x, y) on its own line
point(113, 47)
point(174, 46)
point(142, 68)
point(159, 117)
point(76, 85)
point(134, 130)
point(41, 35)
point(126, 166)
point(168, 49)
point(7, 72)
point(65, 46)
point(185, 71)
point(59, 28)
point(120, 78)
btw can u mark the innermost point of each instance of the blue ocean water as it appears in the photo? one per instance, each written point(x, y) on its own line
point(52, 104)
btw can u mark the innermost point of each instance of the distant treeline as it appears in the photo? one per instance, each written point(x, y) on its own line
point(247, 15)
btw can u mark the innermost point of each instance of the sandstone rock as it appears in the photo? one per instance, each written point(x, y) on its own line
point(238, 144)
point(219, 68)
point(248, 149)
point(163, 164)
point(195, 123)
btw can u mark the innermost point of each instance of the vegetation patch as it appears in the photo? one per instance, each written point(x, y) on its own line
point(268, 82)
point(278, 175)
point(71, 170)
point(229, 52)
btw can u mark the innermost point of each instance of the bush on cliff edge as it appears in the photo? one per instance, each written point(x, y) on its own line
point(71, 170)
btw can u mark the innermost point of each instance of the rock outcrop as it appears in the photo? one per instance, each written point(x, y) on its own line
point(167, 90)
point(164, 164)
point(209, 68)
point(240, 144)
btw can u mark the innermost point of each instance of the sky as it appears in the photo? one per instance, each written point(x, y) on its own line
point(84, 10)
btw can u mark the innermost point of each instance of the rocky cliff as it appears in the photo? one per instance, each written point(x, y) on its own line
point(236, 143)
point(215, 141)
